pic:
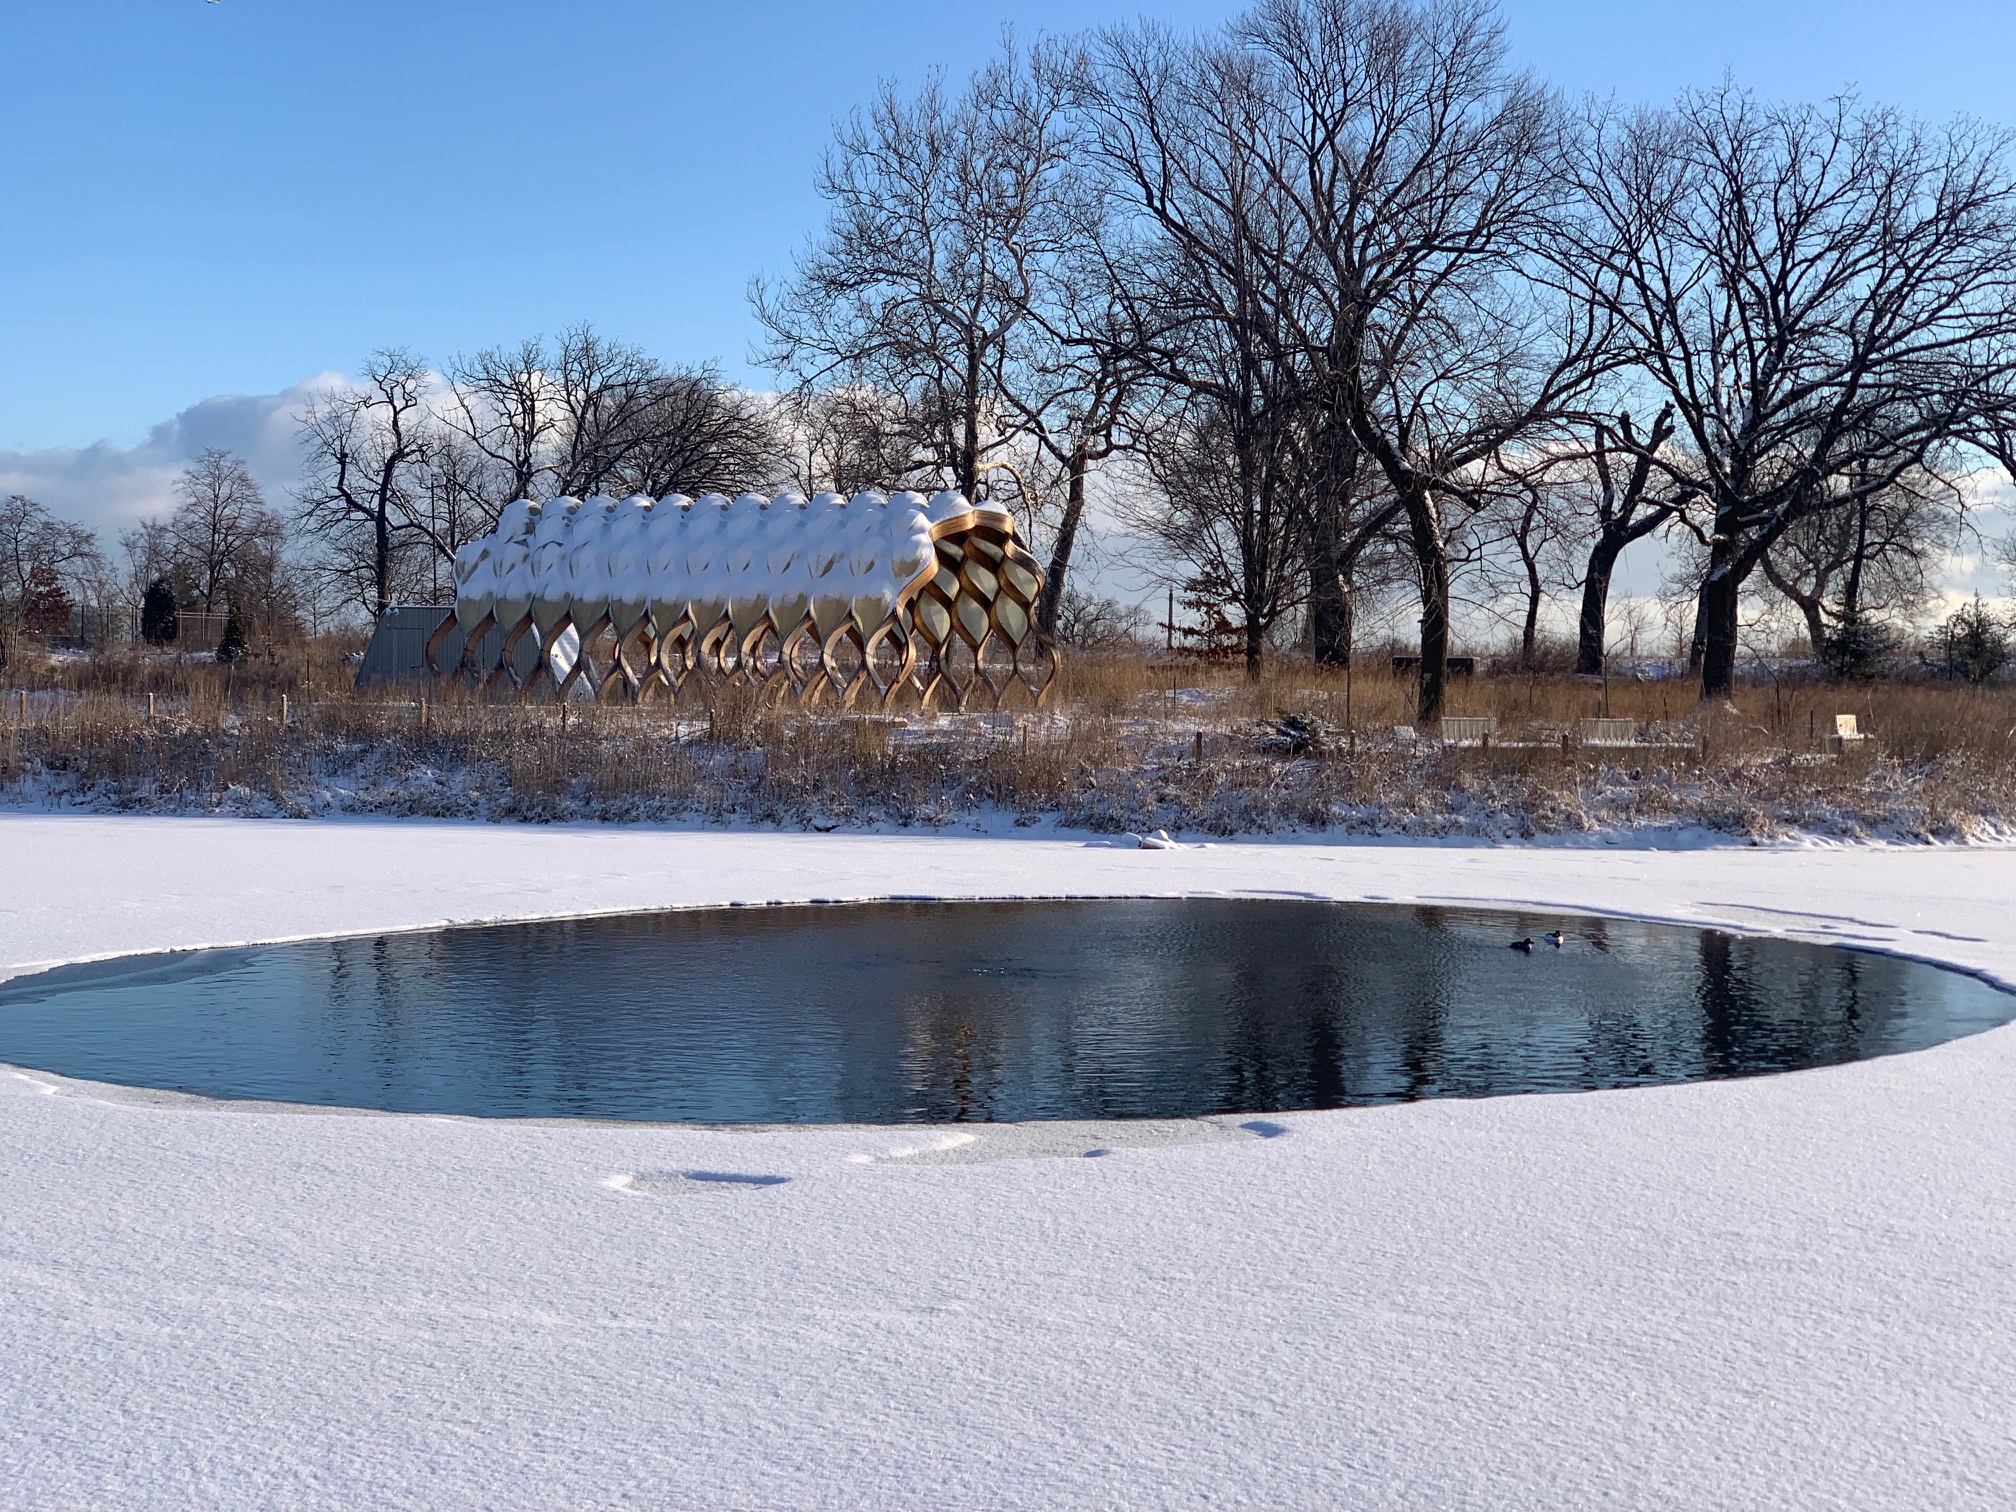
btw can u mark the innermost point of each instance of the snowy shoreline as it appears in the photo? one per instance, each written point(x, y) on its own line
point(1247, 865)
point(1781, 1292)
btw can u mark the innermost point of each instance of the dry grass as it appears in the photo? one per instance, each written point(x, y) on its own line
point(1125, 745)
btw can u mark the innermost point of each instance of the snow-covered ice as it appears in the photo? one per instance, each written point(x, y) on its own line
point(1788, 1292)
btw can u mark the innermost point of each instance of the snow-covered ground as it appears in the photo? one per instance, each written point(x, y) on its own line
point(1789, 1292)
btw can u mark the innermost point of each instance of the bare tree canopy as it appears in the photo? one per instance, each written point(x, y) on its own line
point(1825, 296)
point(220, 535)
point(847, 437)
point(1621, 506)
point(964, 278)
point(590, 415)
point(1352, 192)
point(920, 283)
point(220, 548)
point(1840, 568)
point(1369, 308)
point(1222, 520)
point(44, 561)
point(408, 465)
point(363, 494)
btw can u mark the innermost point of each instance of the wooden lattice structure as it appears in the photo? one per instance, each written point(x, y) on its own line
point(888, 600)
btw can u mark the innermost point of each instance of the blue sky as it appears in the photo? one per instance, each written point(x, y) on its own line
point(206, 209)
point(226, 198)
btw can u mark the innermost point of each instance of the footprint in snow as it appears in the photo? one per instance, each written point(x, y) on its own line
point(689, 1183)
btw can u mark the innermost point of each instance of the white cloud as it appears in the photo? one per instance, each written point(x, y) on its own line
point(110, 487)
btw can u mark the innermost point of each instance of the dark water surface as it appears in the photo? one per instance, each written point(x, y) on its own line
point(924, 1012)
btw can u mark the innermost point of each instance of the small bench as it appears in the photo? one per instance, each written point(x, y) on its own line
point(1468, 732)
point(1848, 733)
point(1606, 732)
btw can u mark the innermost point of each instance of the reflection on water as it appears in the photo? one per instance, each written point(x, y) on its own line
point(927, 1012)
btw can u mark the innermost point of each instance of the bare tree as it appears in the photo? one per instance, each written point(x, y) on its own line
point(1872, 556)
point(454, 499)
point(1422, 172)
point(1075, 377)
point(364, 490)
point(699, 435)
point(942, 206)
point(404, 468)
point(593, 415)
point(605, 393)
point(1365, 182)
point(1220, 519)
point(1524, 533)
point(1170, 122)
point(38, 552)
point(848, 437)
point(220, 540)
point(1824, 295)
point(1099, 623)
point(499, 403)
point(1623, 510)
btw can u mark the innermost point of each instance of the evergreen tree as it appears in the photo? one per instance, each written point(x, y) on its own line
point(1977, 642)
point(45, 607)
point(1856, 649)
point(160, 614)
point(233, 647)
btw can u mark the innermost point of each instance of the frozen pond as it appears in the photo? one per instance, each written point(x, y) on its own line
point(926, 1012)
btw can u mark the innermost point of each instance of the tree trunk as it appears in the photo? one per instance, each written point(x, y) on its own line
point(969, 447)
point(1329, 615)
point(1061, 548)
point(1329, 619)
point(1816, 628)
point(1329, 609)
point(1529, 633)
point(381, 556)
point(1431, 554)
point(1329, 634)
point(1255, 644)
point(1593, 631)
point(1851, 596)
point(1715, 623)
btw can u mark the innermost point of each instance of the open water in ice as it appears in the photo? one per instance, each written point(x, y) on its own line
point(927, 1012)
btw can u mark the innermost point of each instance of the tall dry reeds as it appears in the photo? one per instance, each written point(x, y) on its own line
point(1124, 744)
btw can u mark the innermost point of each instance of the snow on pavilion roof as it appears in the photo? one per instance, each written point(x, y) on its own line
point(688, 567)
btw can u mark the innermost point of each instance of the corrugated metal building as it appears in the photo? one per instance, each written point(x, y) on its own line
point(398, 648)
